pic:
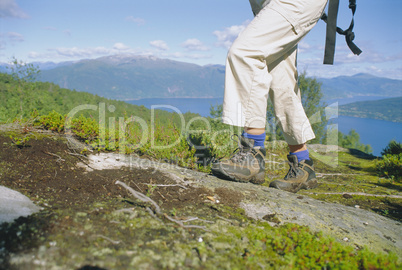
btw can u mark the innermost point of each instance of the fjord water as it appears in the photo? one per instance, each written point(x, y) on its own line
point(377, 133)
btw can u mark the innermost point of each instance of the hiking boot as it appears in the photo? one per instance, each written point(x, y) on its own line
point(301, 175)
point(246, 164)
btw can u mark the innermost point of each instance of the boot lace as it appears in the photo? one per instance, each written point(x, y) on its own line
point(293, 170)
point(241, 152)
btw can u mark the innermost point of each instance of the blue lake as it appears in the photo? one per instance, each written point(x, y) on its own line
point(377, 133)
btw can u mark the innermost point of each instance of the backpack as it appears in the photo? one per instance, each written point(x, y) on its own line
point(332, 29)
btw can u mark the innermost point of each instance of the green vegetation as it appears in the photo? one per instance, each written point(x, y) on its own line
point(117, 126)
point(357, 176)
point(21, 96)
point(393, 148)
point(390, 165)
point(234, 242)
point(389, 109)
point(352, 140)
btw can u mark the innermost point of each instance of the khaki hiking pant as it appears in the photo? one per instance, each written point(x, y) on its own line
point(262, 63)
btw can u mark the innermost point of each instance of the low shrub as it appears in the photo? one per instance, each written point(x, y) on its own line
point(390, 166)
point(393, 148)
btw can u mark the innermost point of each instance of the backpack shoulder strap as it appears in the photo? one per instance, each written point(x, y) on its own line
point(332, 29)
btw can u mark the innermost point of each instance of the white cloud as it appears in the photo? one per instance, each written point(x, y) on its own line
point(229, 34)
point(138, 21)
point(34, 55)
point(180, 55)
point(75, 53)
point(194, 44)
point(159, 44)
point(10, 9)
point(304, 45)
point(15, 37)
point(10, 38)
point(120, 47)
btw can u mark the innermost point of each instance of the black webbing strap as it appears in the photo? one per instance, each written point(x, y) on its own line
point(332, 29)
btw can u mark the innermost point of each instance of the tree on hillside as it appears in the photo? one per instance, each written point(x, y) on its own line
point(25, 75)
point(352, 141)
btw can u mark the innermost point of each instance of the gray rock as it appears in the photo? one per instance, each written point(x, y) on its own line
point(14, 205)
point(353, 225)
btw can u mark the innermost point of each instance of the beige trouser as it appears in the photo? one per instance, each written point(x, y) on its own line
point(262, 62)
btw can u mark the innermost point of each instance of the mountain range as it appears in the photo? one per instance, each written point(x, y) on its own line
point(135, 77)
point(130, 77)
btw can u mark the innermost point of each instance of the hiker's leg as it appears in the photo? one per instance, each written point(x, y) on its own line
point(273, 33)
point(286, 99)
point(270, 37)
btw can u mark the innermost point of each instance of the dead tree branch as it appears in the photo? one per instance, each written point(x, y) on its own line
point(157, 211)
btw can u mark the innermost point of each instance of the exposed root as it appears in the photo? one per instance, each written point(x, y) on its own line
point(114, 242)
point(141, 197)
point(180, 223)
point(319, 175)
point(156, 213)
point(225, 219)
point(75, 154)
point(358, 194)
point(176, 185)
point(51, 154)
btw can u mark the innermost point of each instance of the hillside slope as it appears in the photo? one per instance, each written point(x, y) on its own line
point(385, 109)
point(203, 223)
point(360, 85)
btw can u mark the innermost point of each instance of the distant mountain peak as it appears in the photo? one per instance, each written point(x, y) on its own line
point(364, 75)
point(127, 56)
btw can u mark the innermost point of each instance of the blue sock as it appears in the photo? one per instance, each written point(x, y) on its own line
point(258, 139)
point(302, 155)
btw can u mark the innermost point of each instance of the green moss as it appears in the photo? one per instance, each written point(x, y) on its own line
point(97, 234)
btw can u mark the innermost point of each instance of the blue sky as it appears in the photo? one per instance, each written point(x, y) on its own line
point(191, 31)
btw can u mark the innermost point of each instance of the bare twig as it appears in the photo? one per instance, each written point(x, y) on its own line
point(125, 210)
point(108, 239)
point(176, 185)
point(51, 154)
point(335, 174)
point(359, 194)
point(178, 222)
point(140, 196)
point(196, 218)
point(157, 212)
point(162, 196)
point(152, 214)
point(75, 154)
point(137, 186)
point(225, 219)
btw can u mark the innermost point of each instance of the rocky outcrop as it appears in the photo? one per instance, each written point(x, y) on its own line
point(353, 225)
point(14, 205)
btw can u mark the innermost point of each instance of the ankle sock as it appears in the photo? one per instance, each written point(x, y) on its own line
point(258, 139)
point(302, 155)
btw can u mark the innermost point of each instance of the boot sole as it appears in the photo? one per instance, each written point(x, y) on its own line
point(293, 187)
point(257, 179)
point(312, 183)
